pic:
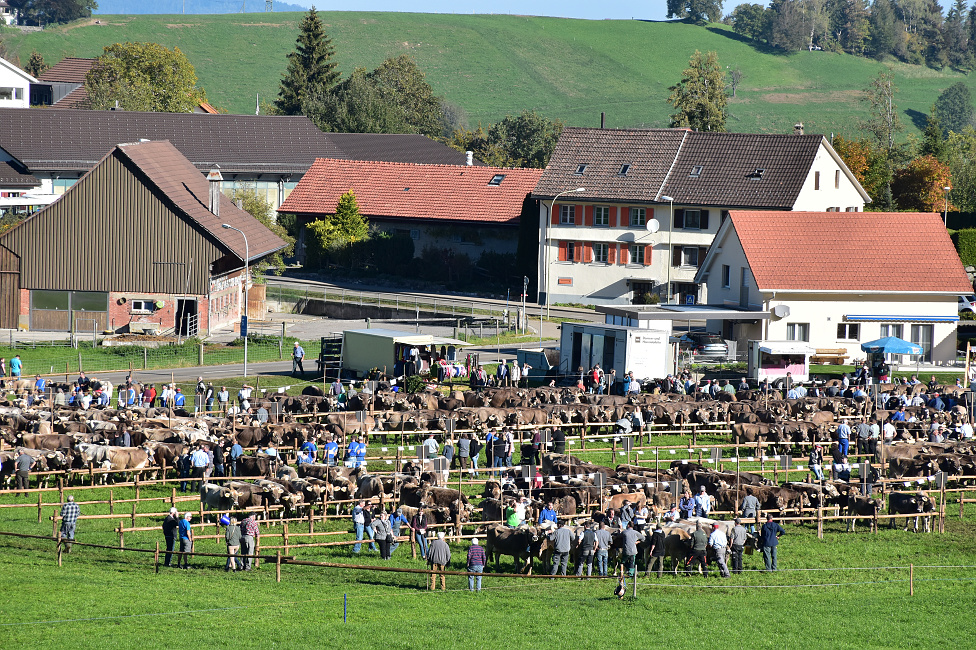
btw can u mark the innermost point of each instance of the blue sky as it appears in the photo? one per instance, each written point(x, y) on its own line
point(651, 10)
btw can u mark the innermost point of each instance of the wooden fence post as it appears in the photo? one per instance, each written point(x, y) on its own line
point(111, 501)
point(39, 505)
point(257, 551)
point(820, 532)
point(59, 552)
point(121, 535)
point(284, 537)
point(133, 514)
point(156, 557)
point(278, 566)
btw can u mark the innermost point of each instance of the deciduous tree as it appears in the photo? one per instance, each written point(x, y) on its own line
point(47, 12)
point(921, 185)
point(35, 65)
point(699, 98)
point(259, 208)
point(883, 122)
point(144, 77)
point(346, 226)
point(698, 10)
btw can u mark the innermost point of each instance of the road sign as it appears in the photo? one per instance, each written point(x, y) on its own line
point(599, 480)
point(785, 462)
point(449, 425)
point(940, 480)
point(627, 443)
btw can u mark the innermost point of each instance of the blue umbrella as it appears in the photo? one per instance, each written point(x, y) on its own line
point(891, 345)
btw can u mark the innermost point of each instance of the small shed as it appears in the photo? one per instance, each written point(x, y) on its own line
point(647, 352)
point(773, 359)
point(390, 351)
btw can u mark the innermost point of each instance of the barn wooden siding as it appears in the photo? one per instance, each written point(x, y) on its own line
point(132, 241)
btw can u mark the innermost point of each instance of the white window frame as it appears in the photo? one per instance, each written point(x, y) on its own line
point(601, 253)
point(142, 306)
point(601, 215)
point(697, 215)
point(567, 215)
point(798, 332)
point(636, 254)
point(726, 276)
point(686, 256)
point(638, 216)
point(847, 327)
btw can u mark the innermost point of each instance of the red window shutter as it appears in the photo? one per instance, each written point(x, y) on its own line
point(648, 250)
point(587, 253)
point(612, 254)
point(623, 219)
point(555, 215)
point(588, 215)
point(562, 251)
point(701, 255)
point(578, 252)
point(624, 254)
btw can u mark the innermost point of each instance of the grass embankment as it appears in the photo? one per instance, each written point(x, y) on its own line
point(494, 65)
point(49, 359)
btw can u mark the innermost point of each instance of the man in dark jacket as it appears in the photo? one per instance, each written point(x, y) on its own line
point(587, 550)
point(657, 551)
point(562, 541)
point(438, 558)
point(699, 544)
point(769, 539)
point(171, 533)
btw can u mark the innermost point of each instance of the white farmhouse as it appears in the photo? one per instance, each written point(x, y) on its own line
point(14, 86)
point(594, 243)
point(836, 280)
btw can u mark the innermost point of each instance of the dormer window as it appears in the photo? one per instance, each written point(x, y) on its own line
point(497, 179)
point(580, 169)
point(623, 170)
point(696, 171)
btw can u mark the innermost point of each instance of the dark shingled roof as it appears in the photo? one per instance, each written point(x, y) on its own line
point(14, 175)
point(57, 139)
point(398, 147)
point(189, 192)
point(729, 164)
point(649, 152)
point(68, 70)
point(664, 162)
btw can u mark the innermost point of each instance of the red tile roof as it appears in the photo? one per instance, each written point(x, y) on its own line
point(68, 70)
point(850, 251)
point(177, 178)
point(407, 190)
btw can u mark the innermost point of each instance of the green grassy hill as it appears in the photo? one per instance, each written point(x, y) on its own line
point(498, 65)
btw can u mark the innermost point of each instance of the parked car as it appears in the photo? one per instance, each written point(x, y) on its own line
point(967, 303)
point(704, 344)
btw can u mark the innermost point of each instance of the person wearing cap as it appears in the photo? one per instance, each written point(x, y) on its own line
point(232, 535)
point(656, 556)
point(719, 543)
point(816, 462)
point(738, 541)
point(562, 543)
point(769, 540)
point(199, 396)
point(186, 542)
point(438, 557)
point(69, 519)
point(179, 399)
point(297, 356)
point(476, 563)
point(586, 547)
point(703, 503)
point(699, 544)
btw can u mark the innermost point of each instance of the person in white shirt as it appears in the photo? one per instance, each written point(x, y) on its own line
point(86, 399)
point(719, 543)
point(889, 431)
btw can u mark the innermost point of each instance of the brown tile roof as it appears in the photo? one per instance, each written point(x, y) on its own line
point(54, 139)
point(428, 192)
point(398, 147)
point(729, 164)
point(14, 175)
point(68, 70)
point(189, 192)
point(206, 107)
point(662, 161)
point(850, 251)
point(649, 152)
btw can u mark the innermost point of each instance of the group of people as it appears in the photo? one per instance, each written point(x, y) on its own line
point(240, 537)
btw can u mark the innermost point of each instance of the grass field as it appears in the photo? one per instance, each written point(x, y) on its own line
point(493, 65)
point(848, 590)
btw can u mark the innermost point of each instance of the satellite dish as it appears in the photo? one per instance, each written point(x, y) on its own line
point(781, 311)
point(653, 225)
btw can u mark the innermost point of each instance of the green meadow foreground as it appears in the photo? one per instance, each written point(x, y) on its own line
point(105, 598)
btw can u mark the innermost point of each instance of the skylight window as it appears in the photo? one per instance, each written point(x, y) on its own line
point(756, 174)
point(580, 169)
point(623, 170)
point(497, 179)
point(696, 171)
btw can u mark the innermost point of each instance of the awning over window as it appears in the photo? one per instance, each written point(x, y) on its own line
point(900, 319)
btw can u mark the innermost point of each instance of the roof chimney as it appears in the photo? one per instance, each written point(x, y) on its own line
point(603, 120)
point(469, 158)
point(214, 179)
point(798, 128)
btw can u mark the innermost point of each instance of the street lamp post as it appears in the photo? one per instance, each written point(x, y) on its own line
point(945, 208)
point(247, 256)
point(545, 261)
point(667, 258)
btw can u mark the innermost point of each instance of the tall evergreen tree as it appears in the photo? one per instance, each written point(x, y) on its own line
point(311, 69)
point(883, 31)
point(35, 65)
point(954, 108)
point(699, 98)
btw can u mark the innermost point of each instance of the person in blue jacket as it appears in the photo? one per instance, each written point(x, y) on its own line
point(180, 399)
point(331, 451)
point(769, 539)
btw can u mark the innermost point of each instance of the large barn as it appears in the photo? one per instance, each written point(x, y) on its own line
point(136, 244)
